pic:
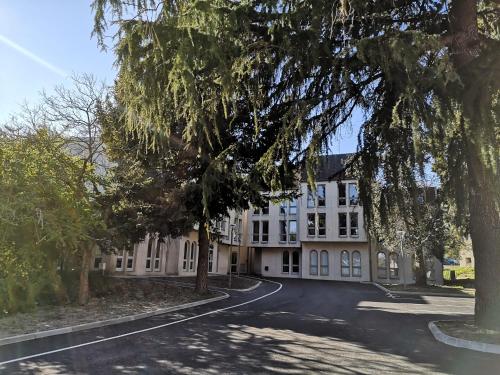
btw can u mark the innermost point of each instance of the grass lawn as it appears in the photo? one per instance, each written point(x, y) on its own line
point(467, 330)
point(461, 273)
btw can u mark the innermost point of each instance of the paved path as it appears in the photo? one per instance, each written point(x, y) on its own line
point(305, 327)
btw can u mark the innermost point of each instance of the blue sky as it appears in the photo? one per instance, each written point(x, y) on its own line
point(43, 42)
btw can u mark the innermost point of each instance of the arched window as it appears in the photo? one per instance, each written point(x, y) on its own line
point(285, 268)
point(186, 256)
point(295, 262)
point(192, 257)
point(157, 260)
point(345, 264)
point(393, 266)
point(356, 263)
point(324, 263)
point(149, 253)
point(313, 262)
point(381, 265)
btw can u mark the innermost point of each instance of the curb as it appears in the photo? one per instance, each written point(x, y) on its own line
point(103, 323)
point(391, 293)
point(461, 343)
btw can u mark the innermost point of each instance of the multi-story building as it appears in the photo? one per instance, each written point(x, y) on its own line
point(319, 234)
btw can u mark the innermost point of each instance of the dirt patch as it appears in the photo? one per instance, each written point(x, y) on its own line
point(467, 330)
point(119, 297)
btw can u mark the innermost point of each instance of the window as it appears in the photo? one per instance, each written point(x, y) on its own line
point(322, 224)
point(234, 262)
point(324, 263)
point(256, 211)
point(353, 195)
point(130, 260)
point(283, 231)
point(342, 224)
point(186, 256)
point(119, 261)
point(292, 209)
point(393, 266)
point(149, 253)
point(283, 208)
point(265, 209)
point(211, 258)
point(97, 262)
point(285, 268)
point(321, 194)
point(353, 216)
point(356, 263)
point(292, 231)
point(342, 196)
point(311, 224)
point(381, 265)
point(192, 257)
point(157, 260)
point(310, 198)
point(345, 266)
point(313, 262)
point(255, 233)
point(295, 262)
point(265, 231)
point(223, 226)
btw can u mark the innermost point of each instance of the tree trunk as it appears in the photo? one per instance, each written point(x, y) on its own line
point(202, 269)
point(84, 290)
point(420, 271)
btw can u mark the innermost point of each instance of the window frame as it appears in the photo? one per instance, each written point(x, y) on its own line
point(290, 233)
point(356, 267)
point(313, 268)
point(393, 271)
point(324, 266)
point(292, 205)
point(192, 257)
point(318, 195)
point(297, 265)
point(321, 228)
point(345, 267)
point(255, 235)
point(283, 233)
point(351, 227)
point(149, 254)
point(157, 255)
point(311, 201)
point(313, 226)
point(119, 256)
point(185, 258)
point(379, 269)
point(264, 234)
point(285, 264)
point(340, 228)
point(283, 207)
point(356, 202)
point(341, 187)
point(127, 253)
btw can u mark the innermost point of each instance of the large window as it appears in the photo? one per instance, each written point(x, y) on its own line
point(353, 216)
point(342, 195)
point(311, 224)
point(324, 263)
point(192, 257)
point(255, 233)
point(321, 195)
point(322, 224)
point(285, 268)
point(313, 262)
point(211, 258)
point(393, 266)
point(295, 262)
point(283, 234)
point(292, 208)
point(292, 231)
point(353, 195)
point(157, 260)
point(345, 264)
point(130, 260)
point(185, 257)
point(149, 254)
point(310, 198)
point(265, 231)
point(342, 224)
point(381, 265)
point(356, 263)
point(119, 261)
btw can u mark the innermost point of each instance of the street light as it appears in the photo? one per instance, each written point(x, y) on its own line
point(402, 233)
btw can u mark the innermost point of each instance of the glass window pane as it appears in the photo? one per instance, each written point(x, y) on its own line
point(286, 262)
point(354, 223)
point(310, 198)
point(311, 224)
point(322, 224)
point(283, 231)
point(353, 194)
point(265, 231)
point(295, 262)
point(255, 236)
point(313, 262)
point(342, 195)
point(320, 191)
point(342, 224)
point(292, 230)
point(292, 210)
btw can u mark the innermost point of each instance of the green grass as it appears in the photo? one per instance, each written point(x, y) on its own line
point(460, 272)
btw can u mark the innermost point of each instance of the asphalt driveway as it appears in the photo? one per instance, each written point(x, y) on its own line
point(300, 327)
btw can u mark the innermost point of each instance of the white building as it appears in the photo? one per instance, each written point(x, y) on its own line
point(319, 235)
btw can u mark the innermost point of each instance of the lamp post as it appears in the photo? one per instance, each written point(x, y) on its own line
point(402, 233)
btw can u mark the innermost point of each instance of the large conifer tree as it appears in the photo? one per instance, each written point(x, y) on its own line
point(424, 75)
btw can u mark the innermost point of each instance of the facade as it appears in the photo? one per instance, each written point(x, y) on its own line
point(318, 235)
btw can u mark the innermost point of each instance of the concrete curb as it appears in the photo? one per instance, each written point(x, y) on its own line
point(102, 323)
point(397, 292)
point(387, 292)
point(461, 343)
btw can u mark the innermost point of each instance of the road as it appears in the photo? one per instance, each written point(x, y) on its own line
point(283, 327)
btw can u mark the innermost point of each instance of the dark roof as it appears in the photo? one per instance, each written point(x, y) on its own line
point(329, 165)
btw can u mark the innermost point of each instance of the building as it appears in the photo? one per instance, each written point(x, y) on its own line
point(318, 235)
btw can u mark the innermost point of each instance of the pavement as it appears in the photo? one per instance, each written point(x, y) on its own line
point(284, 327)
